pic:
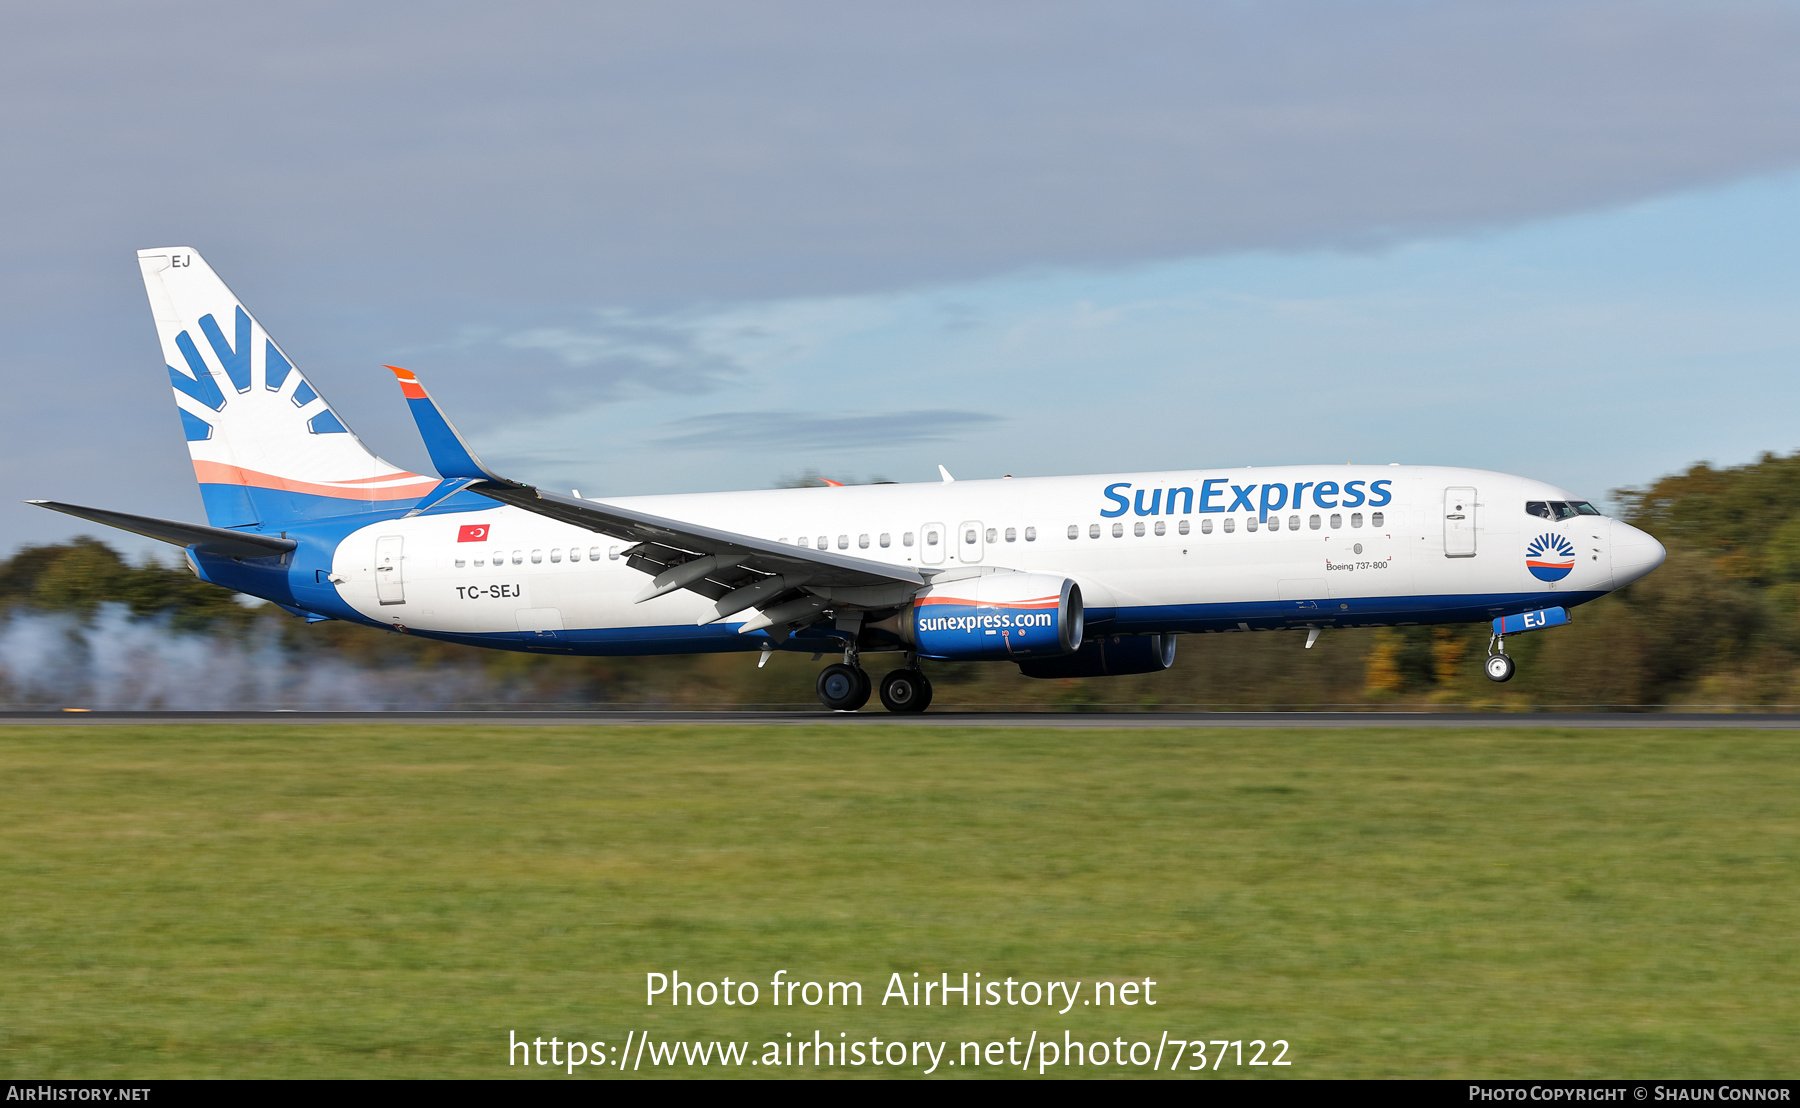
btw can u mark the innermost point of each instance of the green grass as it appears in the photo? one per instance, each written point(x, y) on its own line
point(391, 901)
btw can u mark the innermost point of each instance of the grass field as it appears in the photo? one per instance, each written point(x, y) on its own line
point(392, 901)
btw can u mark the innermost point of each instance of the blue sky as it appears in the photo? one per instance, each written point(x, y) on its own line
point(702, 245)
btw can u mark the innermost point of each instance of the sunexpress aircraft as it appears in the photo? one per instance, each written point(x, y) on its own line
point(1061, 576)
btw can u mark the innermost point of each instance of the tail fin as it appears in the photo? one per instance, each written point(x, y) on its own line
point(267, 449)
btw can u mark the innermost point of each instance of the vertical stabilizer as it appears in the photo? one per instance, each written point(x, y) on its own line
point(267, 448)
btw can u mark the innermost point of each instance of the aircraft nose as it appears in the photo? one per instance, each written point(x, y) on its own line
point(1634, 553)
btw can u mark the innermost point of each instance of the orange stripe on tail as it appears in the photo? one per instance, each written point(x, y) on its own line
point(218, 473)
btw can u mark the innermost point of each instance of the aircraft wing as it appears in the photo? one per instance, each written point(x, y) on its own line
point(213, 540)
point(736, 571)
point(656, 535)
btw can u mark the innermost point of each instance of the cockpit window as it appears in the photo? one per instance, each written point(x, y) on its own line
point(1559, 509)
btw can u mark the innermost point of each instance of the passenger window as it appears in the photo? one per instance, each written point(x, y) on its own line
point(611, 552)
point(1093, 530)
point(824, 542)
point(931, 538)
point(1537, 508)
point(843, 542)
point(1074, 530)
point(969, 537)
point(537, 557)
point(1230, 524)
point(1250, 523)
point(574, 553)
point(556, 554)
point(1161, 527)
point(1294, 523)
point(992, 534)
point(862, 542)
point(1138, 529)
point(479, 562)
point(1337, 521)
point(1375, 519)
point(593, 553)
point(1012, 534)
point(459, 563)
point(1118, 530)
point(499, 557)
point(1312, 522)
point(518, 557)
point(1274, 524)
point(1031, 534)
point(887, 539)
point(1183, 527)
point(906, 539)
point(1356, 519)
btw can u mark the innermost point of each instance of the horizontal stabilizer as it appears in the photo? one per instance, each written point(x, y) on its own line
point(450, 453)
point(214, 540)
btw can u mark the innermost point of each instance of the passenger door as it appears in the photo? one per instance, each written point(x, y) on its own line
point(1459, 523)
point(390, 583)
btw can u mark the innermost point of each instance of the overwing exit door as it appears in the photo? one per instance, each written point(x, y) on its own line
point(932, 538)
point(969, 541)
point(1459, 523)
point(390, 584)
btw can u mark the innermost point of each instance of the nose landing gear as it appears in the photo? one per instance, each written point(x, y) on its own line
point(1498, 667)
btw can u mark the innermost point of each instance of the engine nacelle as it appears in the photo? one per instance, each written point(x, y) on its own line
point(1108, 656)
point(999, 616)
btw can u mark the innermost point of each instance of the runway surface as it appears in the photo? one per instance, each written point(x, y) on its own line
point(1056, 720)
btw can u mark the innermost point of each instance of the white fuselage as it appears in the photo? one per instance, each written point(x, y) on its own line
point(1383, 545)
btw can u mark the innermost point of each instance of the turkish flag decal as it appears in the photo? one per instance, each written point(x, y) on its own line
point(472, 532)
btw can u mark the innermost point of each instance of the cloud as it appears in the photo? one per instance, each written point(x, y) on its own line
point(377, 179)
point(619, 153)
point(820, 431)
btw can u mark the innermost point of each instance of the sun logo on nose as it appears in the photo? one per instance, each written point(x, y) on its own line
point(1550, 557)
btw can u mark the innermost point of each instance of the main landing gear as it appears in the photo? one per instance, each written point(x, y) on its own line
point(844, 687)
point(1498, 667)
point(905, 690)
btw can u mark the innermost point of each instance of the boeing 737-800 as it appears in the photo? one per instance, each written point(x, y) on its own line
point(1061, 576)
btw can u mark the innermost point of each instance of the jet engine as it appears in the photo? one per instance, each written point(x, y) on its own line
point(997, 616)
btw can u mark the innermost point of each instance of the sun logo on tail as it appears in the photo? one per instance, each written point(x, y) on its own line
point(1550, 557)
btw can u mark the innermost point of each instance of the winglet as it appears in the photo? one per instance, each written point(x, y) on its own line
point(946, 475)
point(449, 452)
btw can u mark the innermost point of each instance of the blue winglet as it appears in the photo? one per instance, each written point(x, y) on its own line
point(449, 452)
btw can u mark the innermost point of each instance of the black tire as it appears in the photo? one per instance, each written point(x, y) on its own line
point(905, 691)
point(843, 688)
point(1499, 668)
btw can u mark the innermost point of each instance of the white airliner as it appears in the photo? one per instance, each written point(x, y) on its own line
point(1062, 576)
